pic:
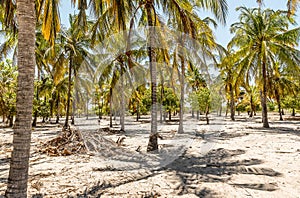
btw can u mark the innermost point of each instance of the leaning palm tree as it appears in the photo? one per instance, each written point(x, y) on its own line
point(18, 172)
point(262, 36)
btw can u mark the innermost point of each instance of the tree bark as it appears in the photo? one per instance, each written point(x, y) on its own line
point(232, 105)
point(180, 128)
point(122, 113)
point(152, 144)
point(110, 108)
point(57, 106)
point(137, 111)
point(279, 105)
point(264, 97)
point(251, 106)
point(161, 98)
point(19, 164)
point(37, 98)
point(293, 112)
point(206, 114)
point(69, 90)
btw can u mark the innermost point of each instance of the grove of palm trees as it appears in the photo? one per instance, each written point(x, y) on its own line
point(139, 99)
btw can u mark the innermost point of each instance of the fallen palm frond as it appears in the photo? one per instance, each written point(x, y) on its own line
point(67, 143)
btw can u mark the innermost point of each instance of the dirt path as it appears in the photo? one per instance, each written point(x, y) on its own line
point(241, 160)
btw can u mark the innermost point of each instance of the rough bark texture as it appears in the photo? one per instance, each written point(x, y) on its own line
point(279, 105)
point(264, 97)
point(152, 144)
point(232, 106)
point(122, 113)
point(110, 108)
point(180, 128)
point(69, 90)
point(252, 106)
point(19, 165)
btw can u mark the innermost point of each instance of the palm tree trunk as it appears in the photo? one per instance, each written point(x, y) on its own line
point(180, 128)
point(206, 114)
point(161, 98)
point(122, 113)
point(11, 120)
point(57, 106)
point(73, 111)
point(110, 108)
point(277, 96)
point(37, 98)
point(293, 112)
point(264, 97)
point(251, 106)
point(87, 106)
point(232, 106)
point(19, 164)
point(152, 144)
point(69, 90)
point(227, 105)
point(137, 111)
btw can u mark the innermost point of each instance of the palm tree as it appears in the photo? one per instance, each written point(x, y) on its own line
point(281, 84)
point(262, 36)
point(291, 5)
point(18, 172)
point(252, 95)
point(197, 81)
point(228, 67)
point(179, 10)
point(75, 42)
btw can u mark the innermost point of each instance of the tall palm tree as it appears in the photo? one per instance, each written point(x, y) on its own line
point(179, 10)
point(18, 172)
point(227, 68)
point(75, 42)
point(281, 84)
point(262, 36)
point(291, 5)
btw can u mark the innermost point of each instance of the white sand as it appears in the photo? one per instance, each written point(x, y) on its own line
point(235, 159)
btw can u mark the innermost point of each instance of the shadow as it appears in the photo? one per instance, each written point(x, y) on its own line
point(217, 166)
point(4, 161)
point(278, 130)
point(225, 136)
point(3, 169)
point(265, 187)
point(39, 195)
point(3, 180)
point(100, 188)
point(206, 192)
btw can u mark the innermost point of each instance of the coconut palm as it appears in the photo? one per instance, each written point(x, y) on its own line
point(18, 172)
point(262, 36)
point(281, 84)
point(231, 81)
point(291, 5)
point(75, 43)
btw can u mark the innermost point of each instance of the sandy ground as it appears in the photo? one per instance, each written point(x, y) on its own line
point(223, 159)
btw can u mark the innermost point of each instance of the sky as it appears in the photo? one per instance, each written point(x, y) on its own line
point(222, 33)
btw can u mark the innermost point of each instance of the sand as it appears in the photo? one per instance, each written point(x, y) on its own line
point(223, 159)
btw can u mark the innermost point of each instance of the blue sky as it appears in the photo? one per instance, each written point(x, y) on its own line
point(222, 32)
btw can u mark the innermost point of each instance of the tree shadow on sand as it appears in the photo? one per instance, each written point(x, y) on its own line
point(217, 166)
